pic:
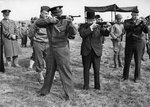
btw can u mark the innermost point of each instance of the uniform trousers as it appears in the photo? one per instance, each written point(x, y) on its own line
point(24, 41)
point(40, 51)
point(130, 50)
point(58, 58)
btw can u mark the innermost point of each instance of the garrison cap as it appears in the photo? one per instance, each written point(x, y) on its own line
point(97, 16)
point(35, 18)
point(56, 9)
point(118, 16)
point(46, 8)
point(147, 17)
point(6, 11)
point(32, 18)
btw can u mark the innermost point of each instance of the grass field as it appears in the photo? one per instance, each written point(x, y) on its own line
point(18, 87)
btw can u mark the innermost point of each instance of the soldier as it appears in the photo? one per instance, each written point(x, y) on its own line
point(32, 58)
point(24, 34)
point(100, 20)
point(144, 38)
point(91, 49)
point(58, 54)
point(117, 32)
point(10, 36)
point(148, 38)
point(134, 44)
point(40, 43)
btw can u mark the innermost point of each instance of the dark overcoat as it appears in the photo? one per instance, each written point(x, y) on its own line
point(11, 47)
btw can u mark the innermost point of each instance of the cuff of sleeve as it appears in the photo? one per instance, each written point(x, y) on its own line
point(9, 36)
point(91, 28)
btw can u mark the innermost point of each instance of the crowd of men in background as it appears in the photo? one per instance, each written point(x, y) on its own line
point(49, 41)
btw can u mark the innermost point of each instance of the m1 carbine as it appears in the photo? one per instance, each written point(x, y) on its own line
point(2, 69)
point(66, 16)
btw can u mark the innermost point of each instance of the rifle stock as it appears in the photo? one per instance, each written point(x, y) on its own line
point(2, 69)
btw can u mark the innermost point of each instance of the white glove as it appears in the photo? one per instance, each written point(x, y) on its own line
point(138, 21)
point(14, 37)
point(94, 25)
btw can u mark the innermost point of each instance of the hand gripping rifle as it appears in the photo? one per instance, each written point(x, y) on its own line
point(2, 69)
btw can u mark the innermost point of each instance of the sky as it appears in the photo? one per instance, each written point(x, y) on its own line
point(25, 9)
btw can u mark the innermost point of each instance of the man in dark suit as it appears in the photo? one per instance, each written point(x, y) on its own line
point(134, 44)
point(91, 49)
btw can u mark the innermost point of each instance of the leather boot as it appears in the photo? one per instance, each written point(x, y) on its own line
point(15, 61)
point(31, 64)
point(119, 61)
point(40, 77)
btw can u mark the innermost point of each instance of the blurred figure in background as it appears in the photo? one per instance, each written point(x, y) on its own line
point(117, 32)
point(148, 38)
point(10, 36)
point(144, 38)
point(24, 34)
point(32, 58)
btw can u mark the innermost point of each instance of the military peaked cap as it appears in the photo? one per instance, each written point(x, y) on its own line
point(56, 9)
point(6, 11)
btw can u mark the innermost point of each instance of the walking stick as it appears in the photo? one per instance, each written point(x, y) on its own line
point(2, 69)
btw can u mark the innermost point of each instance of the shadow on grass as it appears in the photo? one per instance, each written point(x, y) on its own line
point(24, 62)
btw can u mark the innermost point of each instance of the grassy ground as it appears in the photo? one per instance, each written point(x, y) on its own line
point(18, 87)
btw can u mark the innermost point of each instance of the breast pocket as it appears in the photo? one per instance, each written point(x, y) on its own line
point(6, 28)
point(62, 28)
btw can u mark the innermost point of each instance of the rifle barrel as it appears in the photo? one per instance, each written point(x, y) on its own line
point(76, 16)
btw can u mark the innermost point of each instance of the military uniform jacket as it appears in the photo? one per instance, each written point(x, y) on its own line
point(38, 34)
point(23, 31)
point(91, 39)
point(11, 47)
point(134, 32)
point(59, 33)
